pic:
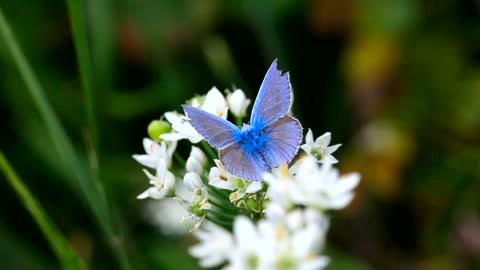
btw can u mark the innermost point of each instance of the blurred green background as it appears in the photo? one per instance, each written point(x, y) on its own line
point(396, 82)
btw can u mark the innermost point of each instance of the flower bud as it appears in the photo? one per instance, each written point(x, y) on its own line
point(192, 181)
point(157, 128)
point(196, 161)
point(238, 103)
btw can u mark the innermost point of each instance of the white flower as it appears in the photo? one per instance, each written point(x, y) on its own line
point(250, 249)
point(196, 161)
point(219, 177)
point(182, 129)
point(280, 183)
point(322, 187)
point(214, 103)
point(163, 183)
point(215, 247)
point(238, 103)
point(319, 148)
point(271, 246)
point(293, 247)
point(194, 199)
point(298, 220)
point(156, 153)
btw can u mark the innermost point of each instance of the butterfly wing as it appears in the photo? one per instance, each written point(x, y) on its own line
point(242, 164)
point(283, 139)
point(217, 131)
point(274, 98)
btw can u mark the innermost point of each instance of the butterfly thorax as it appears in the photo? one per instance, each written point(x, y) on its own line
point(252, 139)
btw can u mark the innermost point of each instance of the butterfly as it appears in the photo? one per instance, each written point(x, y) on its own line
point(270, 139)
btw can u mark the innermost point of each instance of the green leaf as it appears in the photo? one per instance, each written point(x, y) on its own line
point(64, 252)
point(84, 60)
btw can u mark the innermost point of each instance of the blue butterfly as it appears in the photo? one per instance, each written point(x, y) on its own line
point(270, 139)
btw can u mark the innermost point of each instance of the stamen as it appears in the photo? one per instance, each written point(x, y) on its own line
point(223, 177)
point(284, 170)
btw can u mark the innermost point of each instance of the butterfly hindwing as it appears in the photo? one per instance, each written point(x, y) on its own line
point(274, 98)
point(216, 130)
point(240, 163)
point(283, 138)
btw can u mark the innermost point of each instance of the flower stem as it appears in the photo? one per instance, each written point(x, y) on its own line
point(179, 159)
point(226, 225)
point(238, 121)
point(225, 208)
point(209, 150)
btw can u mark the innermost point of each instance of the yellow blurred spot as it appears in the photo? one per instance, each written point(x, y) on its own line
point(280, 233)
point(284, 170)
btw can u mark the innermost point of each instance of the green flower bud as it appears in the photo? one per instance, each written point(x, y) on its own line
point(157, 128)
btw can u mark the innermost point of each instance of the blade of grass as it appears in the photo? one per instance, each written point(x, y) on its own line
point(101, 30)
point(81, 176)
point(84, 61)
point(64, 252)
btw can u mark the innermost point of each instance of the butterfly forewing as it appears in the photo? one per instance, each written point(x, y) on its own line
point(217, 131)
point(283, 138)
point(274, 98)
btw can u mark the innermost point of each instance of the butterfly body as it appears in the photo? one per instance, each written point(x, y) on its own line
point(270, 139)
point(252, 139)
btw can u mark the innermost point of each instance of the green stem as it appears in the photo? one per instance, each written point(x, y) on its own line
point(179, 159)
point(227, 209)
point(226, 225)
point(209, 150)
point(238, 121)
point(64, 252)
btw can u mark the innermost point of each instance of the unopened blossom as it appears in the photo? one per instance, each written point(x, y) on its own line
point(192, 181)
point(238, 103)
point(196, 161)
point(163, 183)
point(156, 152)
point(219, 177)
point(322, 187)
point(319, 148)
point(213, 103)
point(215, 247)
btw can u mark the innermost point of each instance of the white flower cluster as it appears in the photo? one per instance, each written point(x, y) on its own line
point(268, 228)
point(160, 152)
